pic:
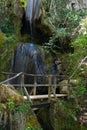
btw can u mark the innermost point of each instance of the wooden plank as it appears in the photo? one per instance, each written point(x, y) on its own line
point(31, 85)
point(33, 97)
point(40, 105)
point(35, 86)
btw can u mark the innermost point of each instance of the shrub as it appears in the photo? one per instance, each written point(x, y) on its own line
point(7, 26)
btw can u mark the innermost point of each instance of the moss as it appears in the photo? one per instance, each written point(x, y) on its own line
point(24, 38)
point(3, 106)
point(7, 44)
point(65, 115)
point(61, 115)
point(32, 122)
point(13, 109)
point(45, 118)
point(10, 95)
point(2, 39)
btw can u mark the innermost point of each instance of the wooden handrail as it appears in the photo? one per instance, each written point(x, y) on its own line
point(31, 85)
point(17, 75)
point(51, 85)
point(37, 75)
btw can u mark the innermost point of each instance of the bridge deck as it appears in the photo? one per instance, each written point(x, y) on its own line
point(35, 97)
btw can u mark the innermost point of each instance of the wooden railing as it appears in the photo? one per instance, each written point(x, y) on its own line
point(51, 85)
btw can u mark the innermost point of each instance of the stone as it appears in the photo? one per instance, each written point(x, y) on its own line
point(63, 86)
point(8, 92)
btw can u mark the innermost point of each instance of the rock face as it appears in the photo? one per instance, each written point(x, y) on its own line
point(18, 14)
point(15, 113)
point(8, 92)
point(60, 116)
point(18, 10)
point(83, 110)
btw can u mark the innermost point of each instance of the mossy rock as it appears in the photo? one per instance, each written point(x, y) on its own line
point(7, 92)
point(32, 122)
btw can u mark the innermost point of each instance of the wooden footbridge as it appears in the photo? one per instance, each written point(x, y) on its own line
point(32, 96)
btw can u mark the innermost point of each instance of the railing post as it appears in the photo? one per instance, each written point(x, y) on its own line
point(22, 82)
point(23, 87)
point(68, 82)
point(54, 87)
point(49, 87)
point(35, 85)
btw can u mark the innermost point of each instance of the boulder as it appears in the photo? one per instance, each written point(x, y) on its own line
point(15, 113)
point(64, 85)
point(9, 92)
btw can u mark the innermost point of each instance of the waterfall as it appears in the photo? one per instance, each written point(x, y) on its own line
point(27, 59)
point(32, 10)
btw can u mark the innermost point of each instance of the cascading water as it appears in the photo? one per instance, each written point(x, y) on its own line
point(27, 59)
point(33, 24)
point(32, 12)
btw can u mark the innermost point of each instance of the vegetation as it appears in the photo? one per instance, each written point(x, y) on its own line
point(80, 46)
point(31, 128)
point(64, 41)
point(7, 36)
point(23, 109)
point(63, 21)
point(7, 45)
point(23, 3)
point(7, 26)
